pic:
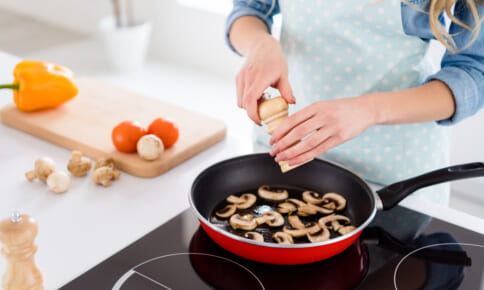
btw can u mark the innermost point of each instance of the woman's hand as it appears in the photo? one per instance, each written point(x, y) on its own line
point(331, 122)
point(264, 66)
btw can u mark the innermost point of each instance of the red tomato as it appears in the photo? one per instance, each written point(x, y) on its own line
point(166, 130)
point(126, 134)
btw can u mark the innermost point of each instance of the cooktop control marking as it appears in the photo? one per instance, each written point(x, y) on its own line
point(122, 280)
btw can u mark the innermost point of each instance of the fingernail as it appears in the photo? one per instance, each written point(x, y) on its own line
point(271, 141)
point(274, 151)
point(279, 158)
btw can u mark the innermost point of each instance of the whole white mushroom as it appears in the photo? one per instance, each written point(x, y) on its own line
point(58, 181)
point(149, 147)
point(43, 167)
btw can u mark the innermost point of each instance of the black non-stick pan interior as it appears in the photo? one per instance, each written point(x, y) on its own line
point(248, 172)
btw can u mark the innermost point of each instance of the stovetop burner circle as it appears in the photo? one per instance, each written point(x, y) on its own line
point(434, 266)
point(172, 271)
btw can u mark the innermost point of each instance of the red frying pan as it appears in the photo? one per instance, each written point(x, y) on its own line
point(249, 172)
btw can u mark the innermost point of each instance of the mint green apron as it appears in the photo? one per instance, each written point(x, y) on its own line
point(347, 48)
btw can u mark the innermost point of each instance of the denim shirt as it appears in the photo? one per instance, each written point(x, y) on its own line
point(462, 72)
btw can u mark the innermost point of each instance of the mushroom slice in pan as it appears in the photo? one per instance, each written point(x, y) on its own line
point(286, 207)
point(308, 228)
point(227, 211)
point(345, 230)
point(295, 222)
point(244, 222)
point(338, 199)
point(312, 197)
point(261, 220)
point(333, 219)
point(319, 236)
point(320, 209)
point(297, 202)
point(329, 205)
point(246, 200)
point(255, 236)
point(306, 210)
point(283, 238)
point(273, 218)
point(266, 193)
point(303, 209)
point(233, 199)
point(294, 232)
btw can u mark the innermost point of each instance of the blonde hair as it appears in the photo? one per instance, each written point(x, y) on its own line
point(439, 31)
point(435, 10)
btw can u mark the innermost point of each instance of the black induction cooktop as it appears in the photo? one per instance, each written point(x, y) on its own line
point(179, 255)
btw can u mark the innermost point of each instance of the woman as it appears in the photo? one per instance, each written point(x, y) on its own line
point(366, 96)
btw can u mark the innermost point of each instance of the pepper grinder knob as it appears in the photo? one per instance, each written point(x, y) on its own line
point(17, 234)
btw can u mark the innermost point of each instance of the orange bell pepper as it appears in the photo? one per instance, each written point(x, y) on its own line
point(39, 85)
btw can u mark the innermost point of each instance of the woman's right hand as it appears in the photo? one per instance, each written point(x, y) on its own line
point(265, 66)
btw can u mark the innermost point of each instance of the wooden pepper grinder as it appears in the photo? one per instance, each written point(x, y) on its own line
point(17, 235)
point(273, 112)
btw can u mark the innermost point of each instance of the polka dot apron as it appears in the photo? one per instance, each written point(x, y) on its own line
point(345, 48)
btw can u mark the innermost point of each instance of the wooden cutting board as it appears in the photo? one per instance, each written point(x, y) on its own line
point(85, 123)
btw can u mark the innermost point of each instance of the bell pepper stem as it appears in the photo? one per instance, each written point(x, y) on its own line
point(10, 86)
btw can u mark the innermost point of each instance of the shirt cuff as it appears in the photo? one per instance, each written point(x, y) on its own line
point(238, 12)
point(464, 90)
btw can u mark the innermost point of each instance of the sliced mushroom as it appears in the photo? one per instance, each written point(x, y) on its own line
point(308, 228)
point(294, 232)
point(227, 211)
point(302, 208)
point(306, 210)
point(312, 227)
point(335, 226)
point(261, 220)
point(333, 219)
point(233, 199)
point(286, 207)
point(246, 200)
point(297, 202)
point(329, 205)
point(255, 236)
point(266, 193)
point(244, 222)
point(338, 199)
point(295, 222)
point(283, 238)
point(320, 209)
point(345, 230)
point(312, 197)
point(319, 236)
point(273, 218)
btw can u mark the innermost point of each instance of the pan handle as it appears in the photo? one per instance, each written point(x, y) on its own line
point(392, 194)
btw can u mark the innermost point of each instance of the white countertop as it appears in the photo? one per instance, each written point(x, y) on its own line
point(84, 226)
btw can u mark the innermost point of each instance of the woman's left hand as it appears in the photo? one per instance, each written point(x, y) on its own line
point(330, 122)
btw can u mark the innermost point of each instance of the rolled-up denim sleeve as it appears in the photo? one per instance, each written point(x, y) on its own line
point(263, 9)
point(463, 72)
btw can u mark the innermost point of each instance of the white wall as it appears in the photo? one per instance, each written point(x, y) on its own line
point(468, 146)
point(82, 15)
point(180, 34)
point(195, 37)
